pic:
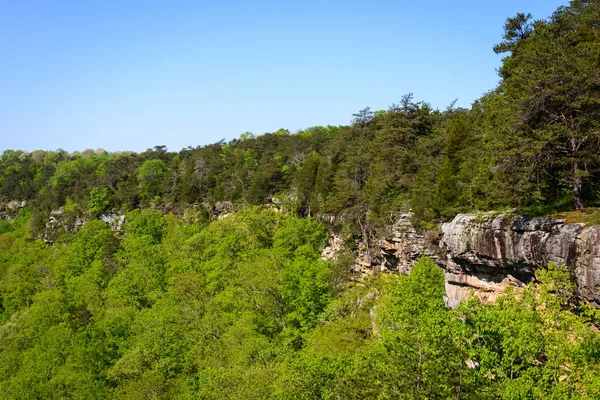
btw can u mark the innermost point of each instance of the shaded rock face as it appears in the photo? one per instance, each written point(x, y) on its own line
point(401, 249)
point(486, 254)
point(586, 266)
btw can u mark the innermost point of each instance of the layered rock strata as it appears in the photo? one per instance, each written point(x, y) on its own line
point(482, 255)
point(487, 253)
point(396, 251)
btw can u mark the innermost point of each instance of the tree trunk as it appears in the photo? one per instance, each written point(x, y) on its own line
point(577, 186)
point(576, 179)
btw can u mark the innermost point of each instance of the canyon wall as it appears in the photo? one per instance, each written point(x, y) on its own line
point(481, 254)
point(484, 254)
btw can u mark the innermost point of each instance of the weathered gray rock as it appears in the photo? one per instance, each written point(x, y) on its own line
point(15, 204)
point(10, 209)
point(586, 266)
point(61, 220)
point(333, 248)
point(114, 221)
point(397, 251)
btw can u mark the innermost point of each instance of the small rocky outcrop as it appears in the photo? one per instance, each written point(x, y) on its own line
point(10, 209)
point(220, 209)
point(61, 220)
point(114, 220)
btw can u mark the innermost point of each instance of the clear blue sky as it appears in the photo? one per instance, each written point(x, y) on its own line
point(128, 75)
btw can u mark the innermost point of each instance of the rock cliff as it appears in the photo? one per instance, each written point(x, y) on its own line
point(484, 254)
point(396, 251)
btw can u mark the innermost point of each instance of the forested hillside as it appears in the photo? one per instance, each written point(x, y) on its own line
point(245, 308)
point(188, 299)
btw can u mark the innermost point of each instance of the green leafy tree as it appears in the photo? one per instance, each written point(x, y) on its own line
point(530, 344)
point(418, 355)
point(150, 176)
point(99, 200)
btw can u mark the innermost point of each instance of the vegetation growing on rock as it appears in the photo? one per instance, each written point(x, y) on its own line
point(244, 307)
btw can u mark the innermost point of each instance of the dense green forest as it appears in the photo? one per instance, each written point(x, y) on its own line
point(189, 299)
point(244, 307)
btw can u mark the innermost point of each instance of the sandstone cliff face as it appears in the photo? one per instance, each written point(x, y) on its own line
point(484, 254)
point(587, 265)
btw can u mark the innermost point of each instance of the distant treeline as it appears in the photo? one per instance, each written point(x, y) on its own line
point(532, 143)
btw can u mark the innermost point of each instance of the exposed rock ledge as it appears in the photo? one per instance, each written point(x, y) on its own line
point(487, 253)
point(397, 251)
point(484, 254)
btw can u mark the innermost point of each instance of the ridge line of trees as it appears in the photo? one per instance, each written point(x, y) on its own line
point(532, 143)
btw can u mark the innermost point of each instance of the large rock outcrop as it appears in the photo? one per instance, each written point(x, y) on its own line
point(482, 255)
point(486, 253)
point(396, 251)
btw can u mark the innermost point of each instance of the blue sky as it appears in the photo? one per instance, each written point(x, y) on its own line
point(129, 75)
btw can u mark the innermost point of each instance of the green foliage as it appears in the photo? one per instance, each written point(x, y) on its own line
point(5, 226)
point(172, 309)
point(150, 176)
point(529, 344)
point(243, 307)
point(547, 76)
point(418, 354)
point(99, 200)
point(201, 304)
